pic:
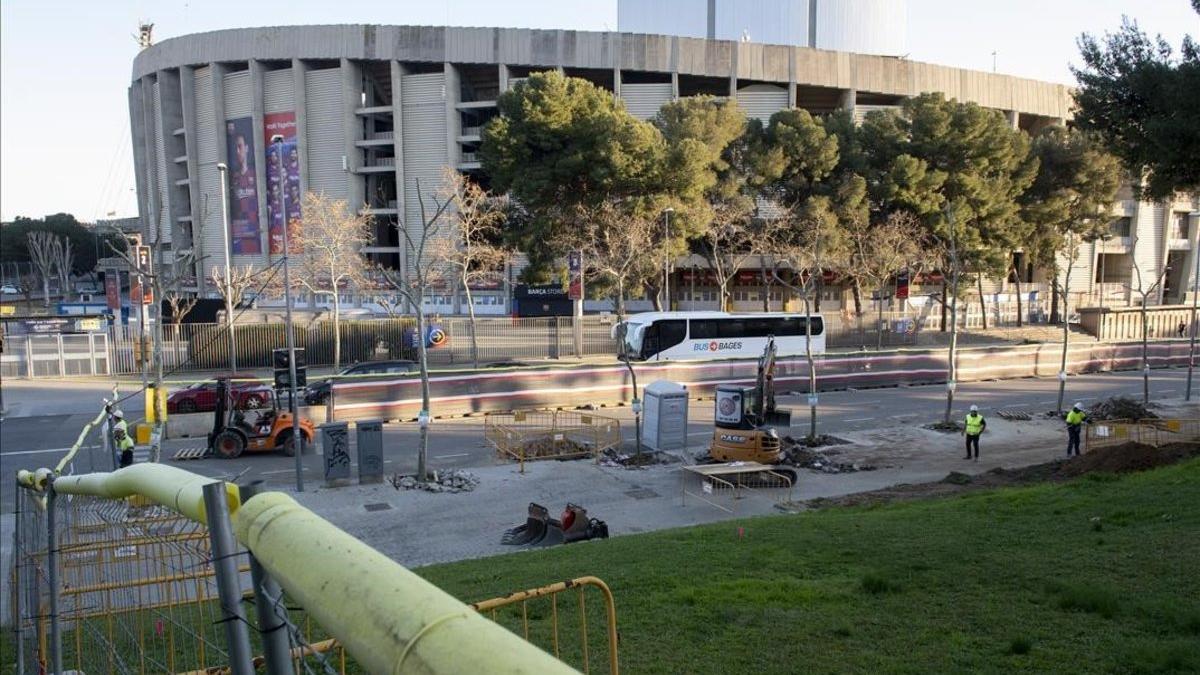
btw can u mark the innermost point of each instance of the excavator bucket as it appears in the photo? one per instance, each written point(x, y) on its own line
point(534, 529)
point(542, 530)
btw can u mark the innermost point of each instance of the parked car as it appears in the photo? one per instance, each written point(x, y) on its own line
point(250, 394)
point(9, 289)
point(318, 392)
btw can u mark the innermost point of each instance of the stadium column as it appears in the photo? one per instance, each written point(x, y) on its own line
point(149, 201)
point(1014, 119)
point(674, 68)
point(791, 86)
point(299, 103)
point(352, 131)
point(502, 77)
point(217, 72)
point(187, 99)
point(733, 69)
point(847, 99)
point(453, 150)
point(137, 129)
point(257, 91)
point(397, 75)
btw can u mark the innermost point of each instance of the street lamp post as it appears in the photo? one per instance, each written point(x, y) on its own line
point(277, 141)
point(224, 171)
point(667, 258)
point(1195, 278)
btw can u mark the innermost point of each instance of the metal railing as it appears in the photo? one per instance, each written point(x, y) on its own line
point(144, 569)
point(534, 623)
point(526, 436)
point(56, 355)
point(1151, 432)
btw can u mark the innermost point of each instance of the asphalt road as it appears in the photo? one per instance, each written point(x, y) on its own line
point(56, 411)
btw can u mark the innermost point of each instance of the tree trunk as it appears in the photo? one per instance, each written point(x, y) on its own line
point(1017, 276)
point(820, 286)
point(812, 373)
point(1062, 368)
point(471, 317)
point(879, 324)
point(945, 301)
point(856, 291)
point(1054, 316)
point(723, 295)
point(423, 363)
point(982, 304)
point(46, 289)
point(1145, 352)
point(337, 329)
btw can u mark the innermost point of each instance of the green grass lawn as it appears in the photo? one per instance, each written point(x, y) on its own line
point(1099, 575)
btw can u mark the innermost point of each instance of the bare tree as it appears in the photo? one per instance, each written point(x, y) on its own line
point(331, 240)
point(180, 301)
point(804, 242)
point(615, 247)
point(41, 252)
point(1145, 293)
point(879, 251)
point(727, 244)
point(423, 273)
point(64, 259)
point(1071, 244)
point(241, 279)
point(471, 251)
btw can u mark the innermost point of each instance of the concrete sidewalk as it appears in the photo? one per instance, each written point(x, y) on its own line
point(419, 528)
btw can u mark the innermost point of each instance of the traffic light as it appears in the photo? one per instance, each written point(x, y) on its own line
point(279, 361)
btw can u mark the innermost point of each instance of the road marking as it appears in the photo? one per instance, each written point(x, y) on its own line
point(35, 452)
point(457, 454)
point(272, 473)
point(858, 419)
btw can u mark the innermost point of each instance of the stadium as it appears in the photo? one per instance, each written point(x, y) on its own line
point(369, 112)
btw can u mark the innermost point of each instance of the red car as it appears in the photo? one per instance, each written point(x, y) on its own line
point(202, 396)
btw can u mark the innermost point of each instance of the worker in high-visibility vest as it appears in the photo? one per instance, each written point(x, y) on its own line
point(973, 427)
point(1075, 419)
point(125, 446)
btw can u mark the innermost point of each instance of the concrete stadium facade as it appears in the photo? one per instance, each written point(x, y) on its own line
point(372, 114)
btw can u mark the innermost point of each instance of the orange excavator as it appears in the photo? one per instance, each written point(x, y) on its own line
point(745, 417)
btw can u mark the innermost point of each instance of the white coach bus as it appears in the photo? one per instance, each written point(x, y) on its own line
point(697, 336)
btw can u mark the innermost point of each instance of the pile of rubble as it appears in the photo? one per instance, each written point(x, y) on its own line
point(1120, 408)
point(819, 460)
point(546, 446)
point(451, 480)
point(631, 460)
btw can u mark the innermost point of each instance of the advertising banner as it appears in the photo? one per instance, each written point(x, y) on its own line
point(283, 178)
point(112, 289)
point(575, 275)
point(243, 206)
point(902, 285)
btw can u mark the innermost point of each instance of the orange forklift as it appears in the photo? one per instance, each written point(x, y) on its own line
point(270, 429)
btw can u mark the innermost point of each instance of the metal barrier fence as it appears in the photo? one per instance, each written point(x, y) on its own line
point(555, 434)
point(206, 346)
point(56, 355)
point(1152, 432)
point(538, 623)
point(145, 569)
point(722, 486)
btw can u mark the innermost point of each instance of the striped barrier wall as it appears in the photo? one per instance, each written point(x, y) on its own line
point(465, 393)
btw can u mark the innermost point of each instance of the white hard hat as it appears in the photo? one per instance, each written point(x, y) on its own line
point(119, 414)
point(1078, 405)
point(974, 408)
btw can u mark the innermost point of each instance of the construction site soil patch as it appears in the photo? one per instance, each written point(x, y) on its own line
point(1126, 458)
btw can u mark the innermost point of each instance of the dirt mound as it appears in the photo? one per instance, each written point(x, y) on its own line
point(1128, 457)
point(1125, 458)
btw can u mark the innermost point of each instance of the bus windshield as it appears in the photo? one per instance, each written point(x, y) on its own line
point(631, 335)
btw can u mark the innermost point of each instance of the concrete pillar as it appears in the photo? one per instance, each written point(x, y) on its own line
point(614, 44)
point(137, 130)
point(1014, 119)
point(452, 86)
point(1166, 248)
point(791, 86)
point(674, 86)
point(847, 99)
point(733, 69)
point(1189, 274)
point(300, 105)
point(257, 91)
point(397, 74)
point(187, 89)
point(217, 71)
point(351, 77)
point(503, 77)
point(154, 210)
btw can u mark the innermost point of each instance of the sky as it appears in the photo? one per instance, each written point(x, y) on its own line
point(65, 65)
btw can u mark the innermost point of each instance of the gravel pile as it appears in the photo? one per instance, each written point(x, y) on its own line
point(1120, 408)
point(452, 480)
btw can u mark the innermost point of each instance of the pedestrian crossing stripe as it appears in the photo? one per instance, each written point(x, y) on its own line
point(190, 453)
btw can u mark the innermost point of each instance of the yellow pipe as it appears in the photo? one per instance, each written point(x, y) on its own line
point(176, 489)
point(388, 618)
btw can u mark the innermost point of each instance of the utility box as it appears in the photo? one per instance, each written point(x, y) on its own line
point(665, 423)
